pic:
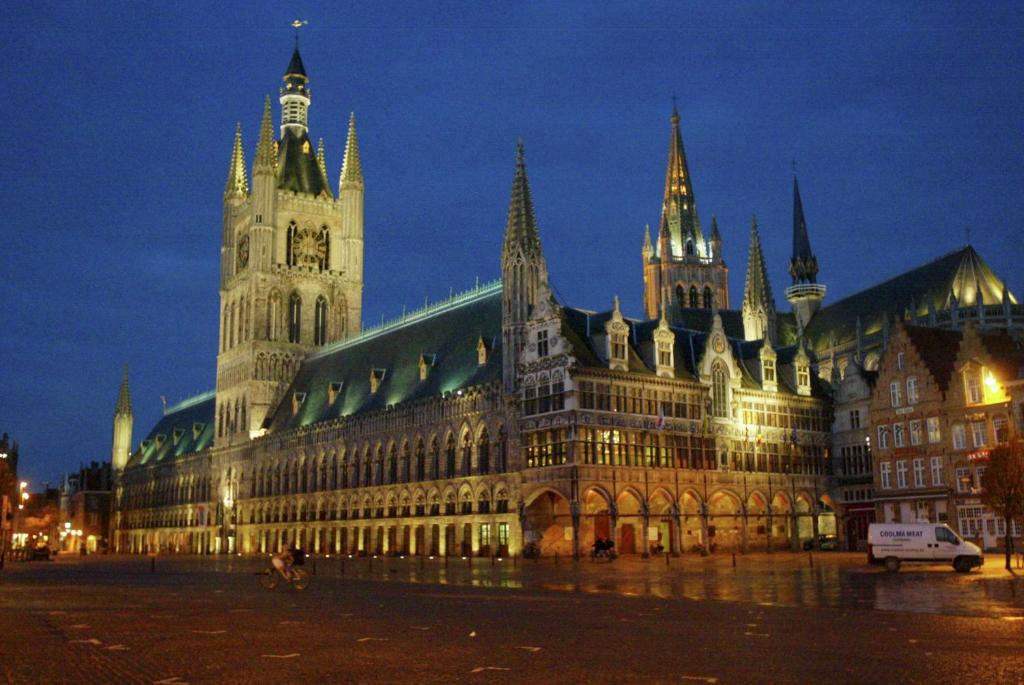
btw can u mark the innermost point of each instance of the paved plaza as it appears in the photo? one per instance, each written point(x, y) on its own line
point(769, 619)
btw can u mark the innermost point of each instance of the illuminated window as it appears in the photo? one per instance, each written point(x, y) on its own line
point(719, 391)
point(769, 370)
point(320, 322)
point(1001, 427)
point(916, 434)
point(979, 433)
point(934, 434)
point(974, 395)
point(618, 347)
point(963, 479)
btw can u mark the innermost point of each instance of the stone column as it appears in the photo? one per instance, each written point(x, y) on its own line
point(574, 508)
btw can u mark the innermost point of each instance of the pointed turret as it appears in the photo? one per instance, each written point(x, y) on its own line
point(524, 272)
point(266, 148)
point(238, 182)
point(716, 240)
point(648, 249)
point(351, 169)
point(679, 209)
point(758, 303)
point(122, 425)
point(295, 97)
point(295, 66)
point(805, 294)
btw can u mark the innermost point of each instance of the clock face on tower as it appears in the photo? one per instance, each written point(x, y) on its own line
point(243, 252)
point(309, 248)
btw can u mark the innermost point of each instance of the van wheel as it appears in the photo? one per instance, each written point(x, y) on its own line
point(892, 564)
point(962, 565)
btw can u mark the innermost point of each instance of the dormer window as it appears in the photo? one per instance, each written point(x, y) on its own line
point(376, 378)
point(481, 351)
point(160, 438)
point(768, 370)
point(177, 434)
point(665, 353)
point(542, 343)
point(803, 377)
point(333, 390)
point(297, 399)
point(618, 347)
point(974, 391)
point(197, 429)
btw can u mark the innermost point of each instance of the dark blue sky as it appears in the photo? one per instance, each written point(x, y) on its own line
point(905, 122)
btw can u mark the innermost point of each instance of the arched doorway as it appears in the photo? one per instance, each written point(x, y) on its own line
point(693, 527)
point(724, 522)
point(549, 523)
point(595, 521)
point(630, 534)
point(662, 523)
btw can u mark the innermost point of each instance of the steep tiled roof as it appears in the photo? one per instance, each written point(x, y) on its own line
point(297, 166)
point(184, 429)
point(962, 273)
point(450, 333)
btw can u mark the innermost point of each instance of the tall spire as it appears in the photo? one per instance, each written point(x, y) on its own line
point(648, 249)
point(295, 96)
point(803, 266)
point(266, 150)
point(237, 181)
point(521, 227)
point(351, 168)
point(679, 209)
point(758, 303)
point(124, 397)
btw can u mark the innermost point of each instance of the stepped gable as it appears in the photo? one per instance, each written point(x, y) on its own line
point(184, 429)
point(962, 273)
point(938, 349)
point(449, 332)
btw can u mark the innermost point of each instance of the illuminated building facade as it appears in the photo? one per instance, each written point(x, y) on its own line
point(499, 421)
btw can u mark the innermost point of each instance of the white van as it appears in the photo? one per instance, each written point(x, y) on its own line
point(930, 543)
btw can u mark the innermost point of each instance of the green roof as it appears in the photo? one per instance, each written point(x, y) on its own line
point(185, 428)
point(445, 336)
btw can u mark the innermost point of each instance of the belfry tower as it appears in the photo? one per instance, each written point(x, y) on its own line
point(680, 266)
point(291, 259)
point(122, 442)
point(806, 294)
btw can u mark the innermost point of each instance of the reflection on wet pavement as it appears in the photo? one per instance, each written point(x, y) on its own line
point(842, 581)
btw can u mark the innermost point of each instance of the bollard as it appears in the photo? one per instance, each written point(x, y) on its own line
point(734, 559)
point(810, 559)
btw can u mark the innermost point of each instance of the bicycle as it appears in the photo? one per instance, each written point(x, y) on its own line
point(270, 577)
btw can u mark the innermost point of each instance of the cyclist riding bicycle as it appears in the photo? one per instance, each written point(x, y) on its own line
point(283, 561)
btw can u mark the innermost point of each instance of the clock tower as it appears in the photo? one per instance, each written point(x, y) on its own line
point(291, 260)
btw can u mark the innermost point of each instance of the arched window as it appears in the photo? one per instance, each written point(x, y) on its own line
point(290, 260)
point(240, 336)
point(707, 297)
point(244, 426)
point(367, 468)
point(483, 453)
point(449, 457)
point(325, 240)
point(405, 469)
point(435, 458)
point(294, 318)
point(320, 321)
point(689, 248)
point(420, 461)
point(274, 316)
point(231, 325)
point(467, 454)
point(224, 330)
point(694, 303)
point(719, 390)
point(393, 465)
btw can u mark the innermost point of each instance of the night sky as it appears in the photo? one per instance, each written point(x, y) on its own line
point(905, 124)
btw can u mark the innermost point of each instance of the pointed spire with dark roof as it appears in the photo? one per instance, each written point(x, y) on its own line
point(351, 168)
point(295, 66)
point(758, 303)
point(648, 249)
point(679, 209)
point(803, 266)
point(237, 181)
point(521, 227)
point(320, 159)
point(266, 150)
point(124, 397)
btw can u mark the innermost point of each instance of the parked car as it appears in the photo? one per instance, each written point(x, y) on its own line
point(827, 543)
